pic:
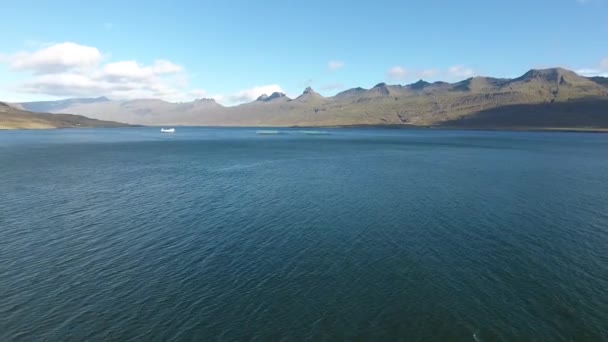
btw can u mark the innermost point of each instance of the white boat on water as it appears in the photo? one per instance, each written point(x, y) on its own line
point(167, 130)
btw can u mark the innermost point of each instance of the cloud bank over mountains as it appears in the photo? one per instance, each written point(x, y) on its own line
point(72, 70)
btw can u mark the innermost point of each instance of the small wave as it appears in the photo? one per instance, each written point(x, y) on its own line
point(315, 132)
point(268, 132)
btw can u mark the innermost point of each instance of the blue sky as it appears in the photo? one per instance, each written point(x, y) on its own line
point(234, 50)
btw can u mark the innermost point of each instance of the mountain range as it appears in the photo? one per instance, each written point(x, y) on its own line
point(546, 98)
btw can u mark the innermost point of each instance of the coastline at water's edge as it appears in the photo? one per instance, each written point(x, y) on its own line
point(389, 126)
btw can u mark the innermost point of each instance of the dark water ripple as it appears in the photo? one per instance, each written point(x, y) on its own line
point(219, 234)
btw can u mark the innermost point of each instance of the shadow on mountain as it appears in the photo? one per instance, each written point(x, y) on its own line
point(586, 113)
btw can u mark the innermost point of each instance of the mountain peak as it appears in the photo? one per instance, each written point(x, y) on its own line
point(380, 89)
point(309, 93)
point(421, 84)
point(273, 96)
point(262, 97)
point(205, 101)
point(276, 95)
point(550, 74)
point(553, 75)
point(309, 90)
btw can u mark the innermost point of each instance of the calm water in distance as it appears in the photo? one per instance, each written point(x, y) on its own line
point(360, 234)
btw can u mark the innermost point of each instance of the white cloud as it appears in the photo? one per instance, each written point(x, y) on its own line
point(600, 70)
point(56, 58)
point(248, 95)
point(398, 73)
point(81, 85)
point(587, 72)
point(198, 94)
point(604, 64)
point(460, 71)
point(592, 72)
point(430, 73)
point(131, 70)
point(335, 65)
point(73, 70)
point(402, 74)
point(65, 84)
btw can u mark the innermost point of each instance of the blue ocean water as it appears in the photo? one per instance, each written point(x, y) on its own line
point(356, 234)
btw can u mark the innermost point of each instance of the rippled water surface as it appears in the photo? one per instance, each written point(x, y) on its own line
point(225, 234)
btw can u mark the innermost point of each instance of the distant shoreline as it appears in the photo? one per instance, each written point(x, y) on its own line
point(392, 127)
point(454, 128)
point(446, 128)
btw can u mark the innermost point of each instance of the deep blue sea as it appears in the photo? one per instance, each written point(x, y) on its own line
point(354, 235)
